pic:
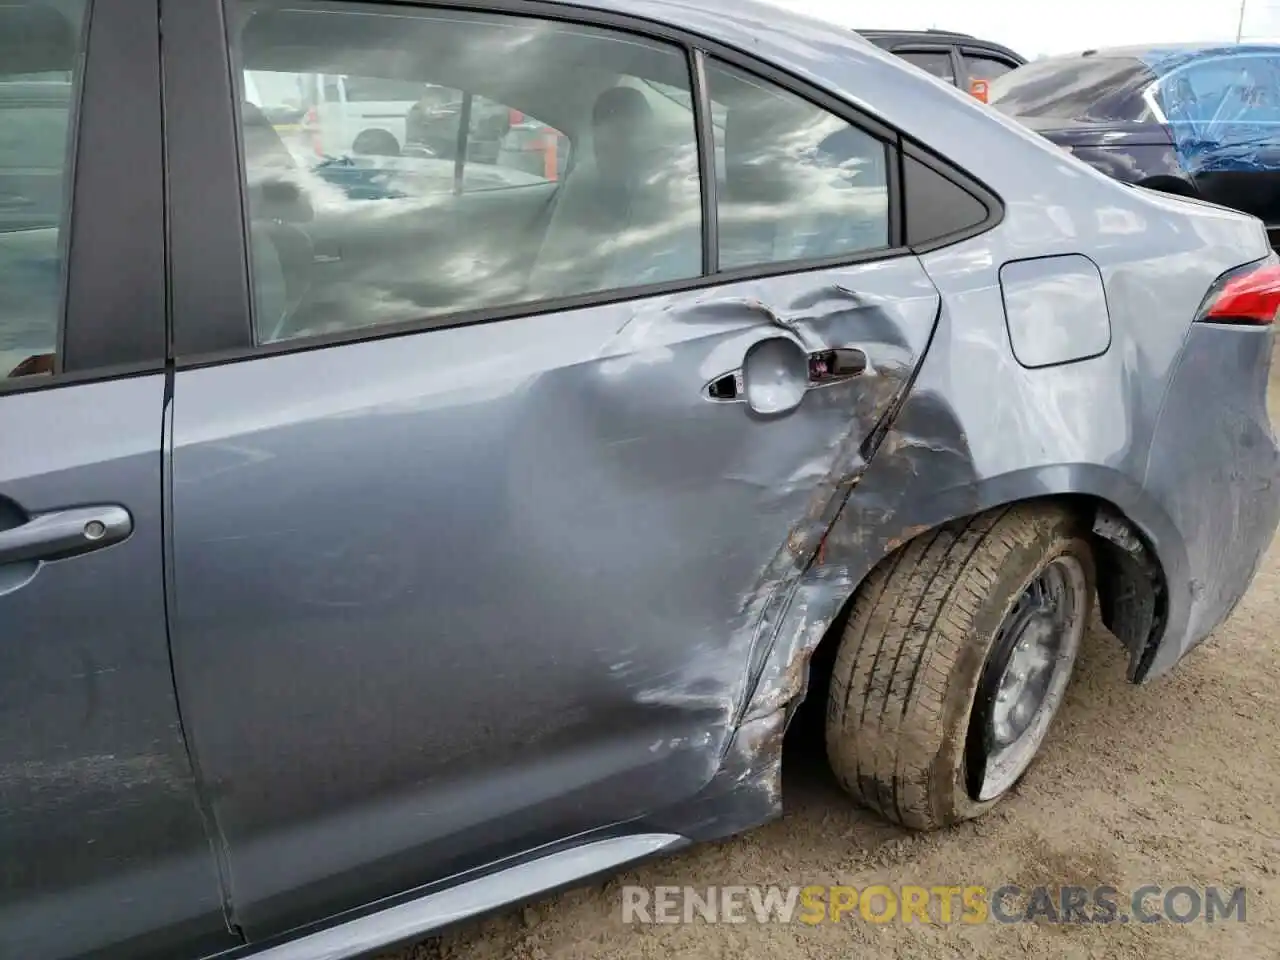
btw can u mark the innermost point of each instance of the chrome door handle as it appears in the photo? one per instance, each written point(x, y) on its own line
point(65, 533)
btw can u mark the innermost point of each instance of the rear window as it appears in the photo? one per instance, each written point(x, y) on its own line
point(1078, 89)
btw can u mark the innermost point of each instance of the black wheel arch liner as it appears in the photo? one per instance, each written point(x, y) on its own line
point(1139, 549)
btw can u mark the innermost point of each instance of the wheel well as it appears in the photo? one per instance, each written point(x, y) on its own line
point(376, 141)
point(1132, 590)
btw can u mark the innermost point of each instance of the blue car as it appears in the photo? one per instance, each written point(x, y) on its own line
point(1197, 121)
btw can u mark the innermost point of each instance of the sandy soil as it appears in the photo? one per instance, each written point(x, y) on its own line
point(1172, 784)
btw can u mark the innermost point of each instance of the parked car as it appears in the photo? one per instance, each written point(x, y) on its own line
point(369, 562)
point(1198, 121)
point(958, 58)
point(342, 107)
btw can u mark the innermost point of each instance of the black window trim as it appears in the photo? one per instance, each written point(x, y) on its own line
point(949, 171)
point(209, 270)
point(233, 340)
point(706, 141)
point(111, 236)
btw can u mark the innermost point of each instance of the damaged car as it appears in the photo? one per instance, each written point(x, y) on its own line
point(378, 553)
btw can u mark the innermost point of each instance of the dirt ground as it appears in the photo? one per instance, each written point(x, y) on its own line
point(1172, 784)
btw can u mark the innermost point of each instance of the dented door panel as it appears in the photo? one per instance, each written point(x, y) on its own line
point(490, 585)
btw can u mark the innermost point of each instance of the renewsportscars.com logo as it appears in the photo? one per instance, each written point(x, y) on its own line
point(815, 904)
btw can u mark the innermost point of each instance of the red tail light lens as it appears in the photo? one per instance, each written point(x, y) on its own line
point(1251, 296)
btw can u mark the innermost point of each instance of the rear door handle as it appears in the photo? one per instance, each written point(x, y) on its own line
point(799, 371)
point(65, 533)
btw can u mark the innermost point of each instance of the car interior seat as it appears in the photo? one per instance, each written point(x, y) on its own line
point(593, 238)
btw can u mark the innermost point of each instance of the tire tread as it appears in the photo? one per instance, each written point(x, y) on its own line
point(912, 621)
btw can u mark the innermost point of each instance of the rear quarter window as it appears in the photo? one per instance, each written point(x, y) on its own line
point(1083, 88)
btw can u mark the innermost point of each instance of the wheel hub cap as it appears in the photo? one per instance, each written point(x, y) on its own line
point(1026, 676)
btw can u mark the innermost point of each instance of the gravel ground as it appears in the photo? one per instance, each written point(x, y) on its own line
point(1171, 784)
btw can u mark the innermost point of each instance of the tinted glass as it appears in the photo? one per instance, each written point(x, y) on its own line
point(373, 234)
point(936, 208)
point(39, 48)
point(799, 182)
point(685, 100)
point(497, 135)
point(1070, 89)
point(985, 68)
point(939, 64)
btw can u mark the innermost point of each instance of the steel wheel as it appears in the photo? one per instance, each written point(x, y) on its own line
point(1026, 676)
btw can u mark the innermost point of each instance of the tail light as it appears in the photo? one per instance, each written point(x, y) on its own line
point(1249, 295)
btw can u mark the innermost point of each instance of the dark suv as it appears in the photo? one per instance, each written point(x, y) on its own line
point(969, 63)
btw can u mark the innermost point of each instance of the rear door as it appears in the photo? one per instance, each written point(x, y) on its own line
point(104, 852)
point(459, 576)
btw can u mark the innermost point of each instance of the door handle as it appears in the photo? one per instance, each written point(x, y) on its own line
point(785, 373)
point(65, 533)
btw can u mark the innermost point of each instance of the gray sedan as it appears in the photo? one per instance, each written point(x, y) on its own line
point(382, 547)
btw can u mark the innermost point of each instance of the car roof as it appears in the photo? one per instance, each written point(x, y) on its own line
point(934, 35)
point(1162, 58)
point(930, 34)
point(693, 14)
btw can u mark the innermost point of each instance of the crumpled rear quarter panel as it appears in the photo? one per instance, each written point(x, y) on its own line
point(1215, 468)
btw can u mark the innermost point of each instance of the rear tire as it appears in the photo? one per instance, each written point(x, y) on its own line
point(918, 710)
